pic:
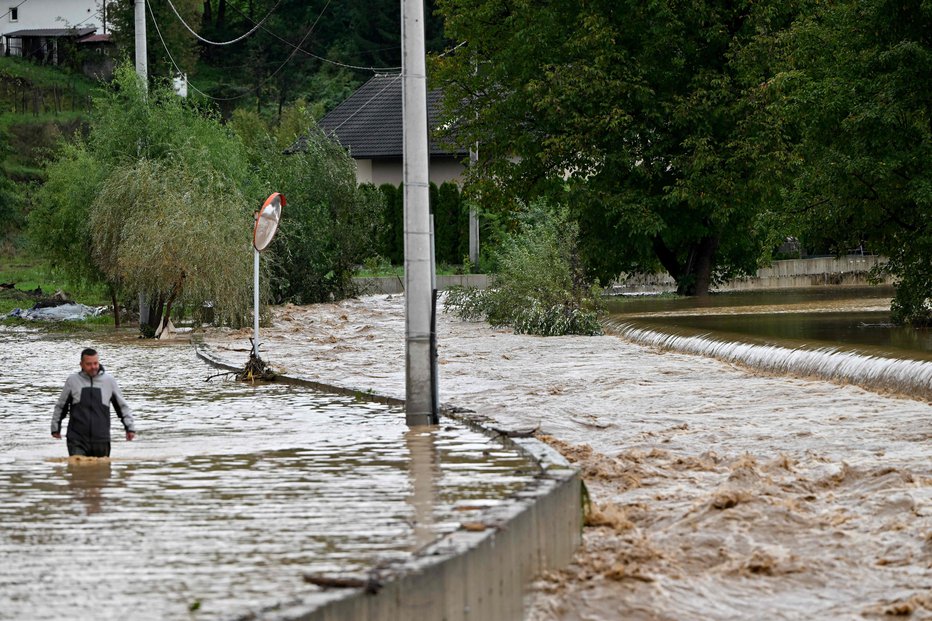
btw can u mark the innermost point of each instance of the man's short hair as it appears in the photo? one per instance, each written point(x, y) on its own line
point(88, 352)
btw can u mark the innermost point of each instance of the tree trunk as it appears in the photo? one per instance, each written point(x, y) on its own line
point(207, 18)
point(695, 277)
point(221, 14)
point(703, 265)
point(155, 317)
point(667, 258)
point(175, 292)
point(116, 307)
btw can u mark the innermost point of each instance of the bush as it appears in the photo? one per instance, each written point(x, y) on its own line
point(538, 286)
point(329, 225)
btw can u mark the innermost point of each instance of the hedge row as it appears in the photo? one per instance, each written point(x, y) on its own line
point(451, 223)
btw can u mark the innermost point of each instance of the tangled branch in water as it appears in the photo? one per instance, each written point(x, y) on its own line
point(256, 369)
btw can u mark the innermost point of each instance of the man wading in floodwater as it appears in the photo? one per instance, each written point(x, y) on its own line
point(87, 396)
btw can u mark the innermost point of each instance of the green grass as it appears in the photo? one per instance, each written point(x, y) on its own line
point(46, 76)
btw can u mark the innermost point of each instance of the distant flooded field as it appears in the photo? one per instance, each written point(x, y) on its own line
point(229, 495)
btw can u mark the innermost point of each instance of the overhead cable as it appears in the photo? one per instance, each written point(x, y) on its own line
point(236, 40)
point(272, 75)
point(312, 55)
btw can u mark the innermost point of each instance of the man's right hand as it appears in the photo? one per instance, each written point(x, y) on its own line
point(57, 436)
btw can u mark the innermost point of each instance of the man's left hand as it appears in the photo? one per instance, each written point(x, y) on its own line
point(130, 435)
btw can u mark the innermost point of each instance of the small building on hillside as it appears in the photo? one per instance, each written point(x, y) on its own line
point(369, 125)
point(53, 31)
point(58, 15)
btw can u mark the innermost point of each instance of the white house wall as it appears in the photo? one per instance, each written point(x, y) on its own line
point(35, 14)
point(390, 171)
point(363, 171)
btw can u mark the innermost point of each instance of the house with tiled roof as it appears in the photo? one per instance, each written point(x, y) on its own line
point(369, 125)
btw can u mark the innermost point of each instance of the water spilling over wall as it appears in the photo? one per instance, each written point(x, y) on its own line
point(908, 377)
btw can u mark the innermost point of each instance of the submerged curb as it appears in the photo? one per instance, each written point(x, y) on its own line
point(468, 574)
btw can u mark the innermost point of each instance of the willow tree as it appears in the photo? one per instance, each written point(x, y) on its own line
point(152, 172)
point(642, 105)
point(178, 232)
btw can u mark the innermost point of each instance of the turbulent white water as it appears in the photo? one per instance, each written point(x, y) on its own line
point(907, 377)
point(721, 493)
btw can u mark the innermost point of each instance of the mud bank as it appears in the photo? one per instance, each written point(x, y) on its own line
point(718, 493)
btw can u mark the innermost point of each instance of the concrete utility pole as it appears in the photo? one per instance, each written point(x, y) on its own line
point(420, 381)
point(473, 217)
point(142, 69)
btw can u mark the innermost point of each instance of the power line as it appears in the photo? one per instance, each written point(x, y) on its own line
point(240, 38)
point(171, 58)
point(312, 55)
point(272, 75)
point(360, 108)
point(334, 62)
point(10, 10)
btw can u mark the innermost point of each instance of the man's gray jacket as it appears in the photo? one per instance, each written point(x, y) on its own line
point(87, 399)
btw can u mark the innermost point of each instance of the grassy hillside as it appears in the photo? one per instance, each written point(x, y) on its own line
point(38, 105)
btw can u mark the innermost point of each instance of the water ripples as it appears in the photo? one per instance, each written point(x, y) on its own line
point(229, 495)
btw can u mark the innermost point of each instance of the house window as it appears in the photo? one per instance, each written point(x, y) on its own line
point(14, 14)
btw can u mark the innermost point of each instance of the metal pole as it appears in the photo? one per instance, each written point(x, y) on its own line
point(419, 388)
point(255, 303)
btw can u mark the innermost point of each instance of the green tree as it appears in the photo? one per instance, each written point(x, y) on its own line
point(181, 44)
point(853, 129)
point(178, 231)
point(114, 203)
point(392, 238)
point(329, 225)
point(643, 105)
point(447, 224)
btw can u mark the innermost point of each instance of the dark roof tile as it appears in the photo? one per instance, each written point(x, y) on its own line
point(369, 122)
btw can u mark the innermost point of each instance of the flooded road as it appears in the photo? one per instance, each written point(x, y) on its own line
point(229, 494)
point(721, 493)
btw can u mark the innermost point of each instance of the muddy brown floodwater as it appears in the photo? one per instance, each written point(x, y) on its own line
point(230, 494)
point(721, 491)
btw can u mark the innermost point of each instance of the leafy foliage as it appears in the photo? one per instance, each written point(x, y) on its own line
point(852, 114)
point(538, 286)
point(177, 231)
point(152, 201)
point(644, 104)
point(328, 226)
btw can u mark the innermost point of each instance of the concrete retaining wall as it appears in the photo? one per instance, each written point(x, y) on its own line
point(790, 274)
point(466, 575)
point(395, 284)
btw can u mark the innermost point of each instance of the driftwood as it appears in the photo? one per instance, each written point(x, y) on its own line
point(256, 369)
point(516, 433)
point(370, 585)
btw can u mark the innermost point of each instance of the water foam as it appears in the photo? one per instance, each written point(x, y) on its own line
point(908, 377)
